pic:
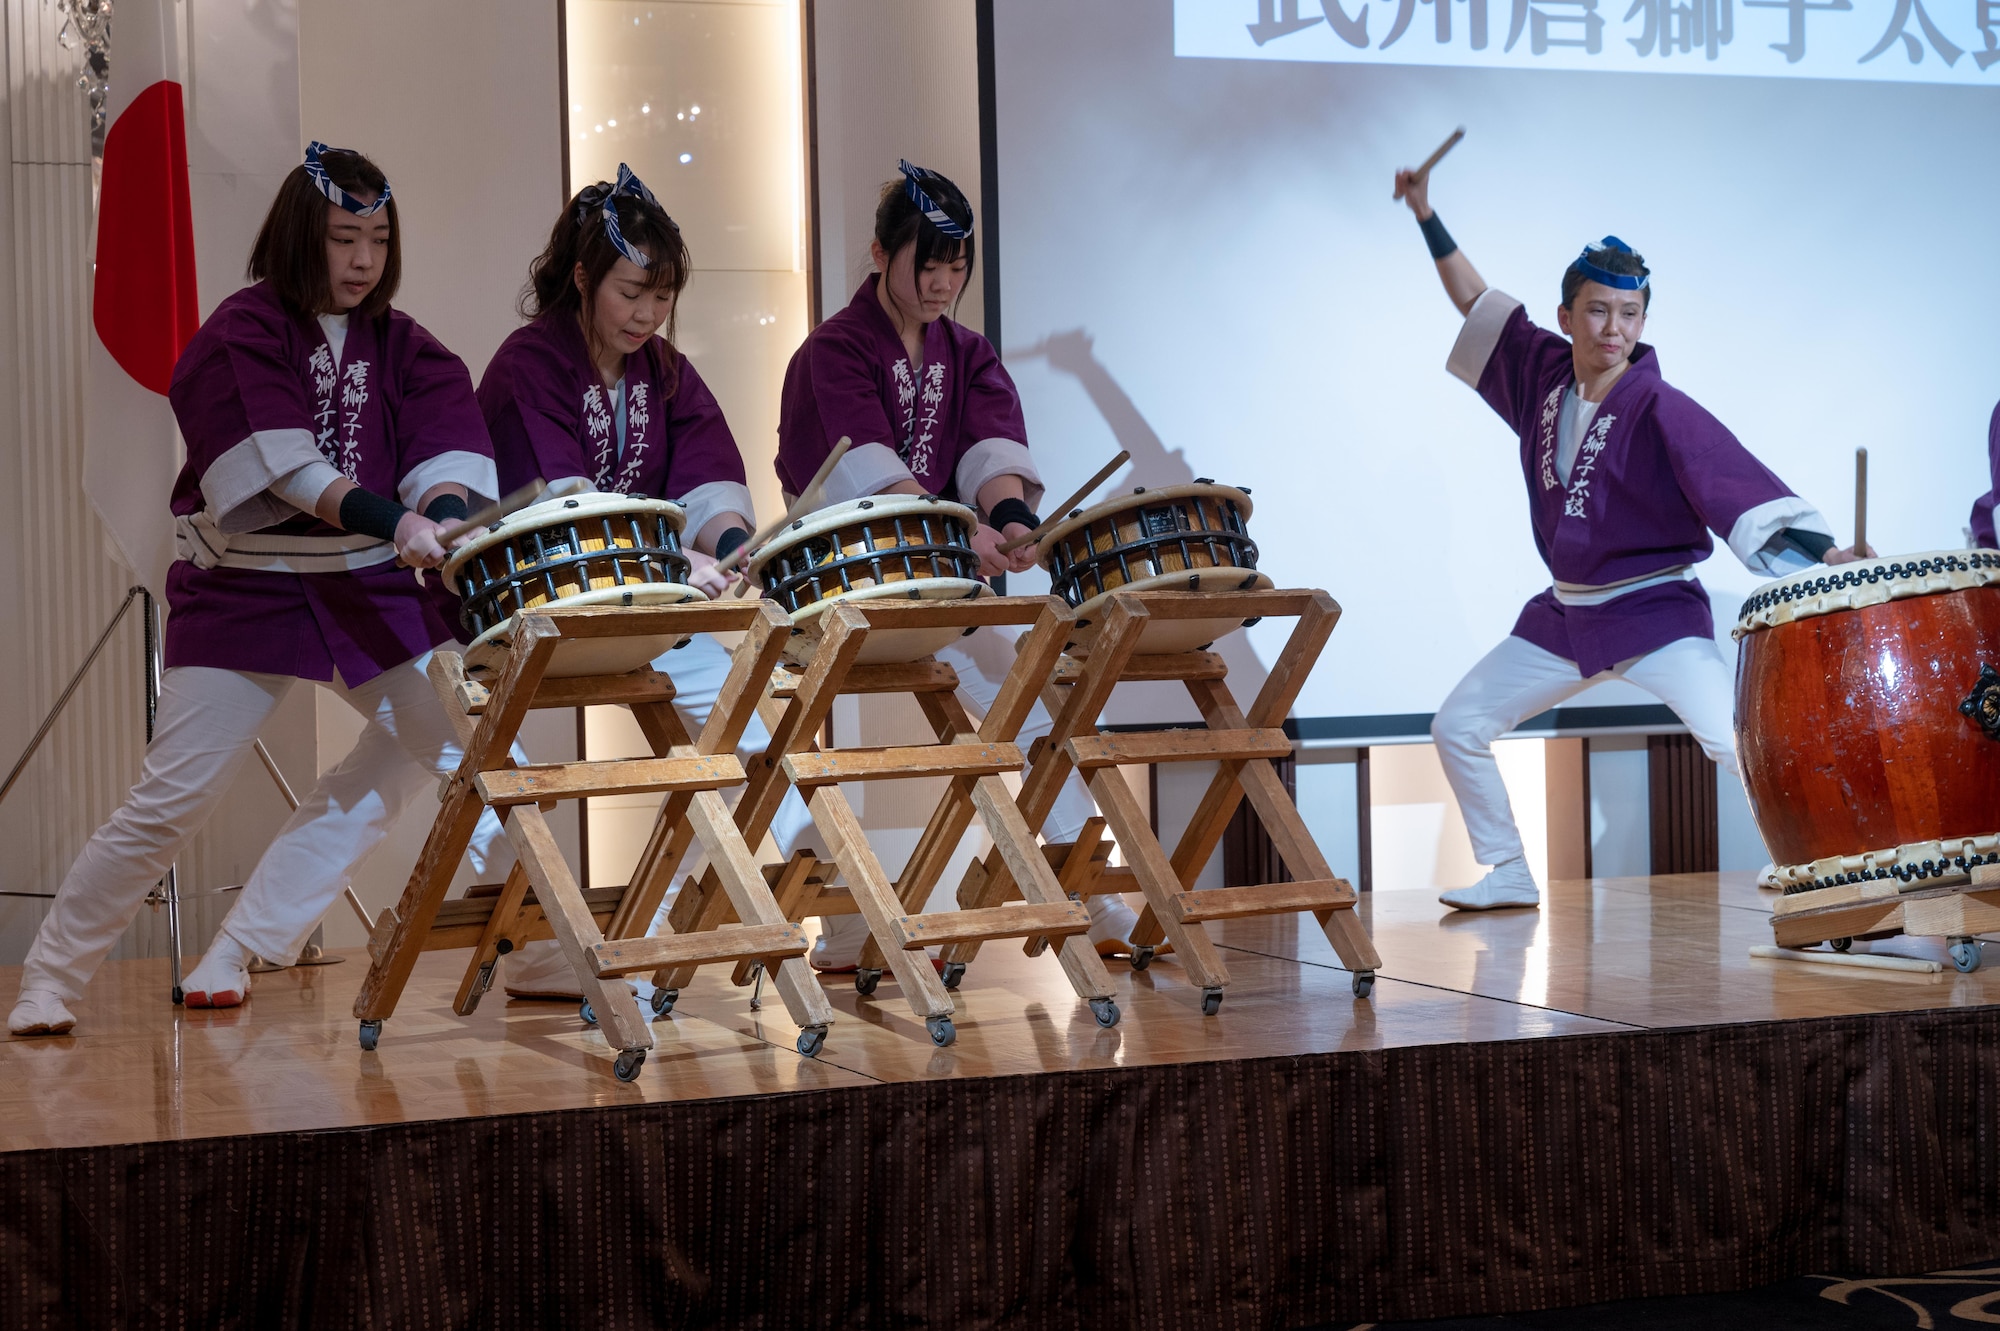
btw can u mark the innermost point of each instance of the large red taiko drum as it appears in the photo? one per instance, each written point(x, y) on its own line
point(1868, 719)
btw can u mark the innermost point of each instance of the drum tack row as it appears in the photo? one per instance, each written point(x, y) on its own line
point(570, 601)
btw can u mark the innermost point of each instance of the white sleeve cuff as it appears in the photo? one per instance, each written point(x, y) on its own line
point(302, 489)
point(1751, 539)
point(240, 478)
point(1484, 323)
point(996, 457)
point(865, 470)
point(705, 503)
point(474, 471)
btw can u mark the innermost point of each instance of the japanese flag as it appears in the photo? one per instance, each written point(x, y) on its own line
point(143, 308)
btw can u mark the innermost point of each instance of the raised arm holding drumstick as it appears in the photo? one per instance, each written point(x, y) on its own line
point(1627, 478)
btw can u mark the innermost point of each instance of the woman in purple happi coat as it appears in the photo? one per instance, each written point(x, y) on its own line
point(1627, 477)
point(593, 391)
point(928, 409)
point(329, 440)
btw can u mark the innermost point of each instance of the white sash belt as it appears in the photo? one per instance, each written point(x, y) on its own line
point(199, 541)
point(1579, 593)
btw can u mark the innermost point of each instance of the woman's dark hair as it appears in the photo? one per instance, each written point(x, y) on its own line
point(290, 252)
point(580, 238)
point(898, 221)
point(1625, 263)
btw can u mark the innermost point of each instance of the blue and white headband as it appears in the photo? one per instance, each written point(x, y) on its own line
point(335, 195)
point(926, 205)
point(1604, 277)
point(599, 196)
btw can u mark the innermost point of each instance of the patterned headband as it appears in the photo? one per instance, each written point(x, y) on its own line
point(1604, 277)
point(335, 194)
point(926, 205)
point(605, 197)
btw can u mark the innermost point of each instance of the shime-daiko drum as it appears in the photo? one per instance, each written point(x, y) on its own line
point(890, 547)
point(1868, 720)
point(1178, 538)
point(595, 549)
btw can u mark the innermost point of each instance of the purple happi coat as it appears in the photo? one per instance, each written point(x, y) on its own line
point(951, 424)
point(1655, 474)
point(551, 418)
point(1982, 508)
point(259, 393)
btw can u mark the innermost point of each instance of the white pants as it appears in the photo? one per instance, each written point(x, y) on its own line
point(1517, 679)
point(208, 719)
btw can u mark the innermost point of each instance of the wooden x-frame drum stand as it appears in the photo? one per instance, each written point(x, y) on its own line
point(1243, 746)
point(972, 756)
point(601, 931)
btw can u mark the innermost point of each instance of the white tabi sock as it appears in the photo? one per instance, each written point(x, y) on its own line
point(223, 978)
point(838, 947)
point(40, 1012)
point(1508, 885)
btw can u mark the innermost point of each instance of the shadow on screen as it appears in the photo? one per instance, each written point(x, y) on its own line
point(1072, 352)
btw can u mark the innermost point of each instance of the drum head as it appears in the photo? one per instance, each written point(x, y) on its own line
point(1827, 590)
point(1163, 637)
point(487, 656)
point(889, 646)
point(554, 512)
point(1080, 518)
point(836, 516)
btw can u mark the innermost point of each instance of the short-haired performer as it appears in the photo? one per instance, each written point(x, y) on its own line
point(593, 389)
point(929, 409)
point(1627, 477)
point(1982, 508)
point(329, 440)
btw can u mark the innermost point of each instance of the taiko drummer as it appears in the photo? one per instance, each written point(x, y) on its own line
point(329, 439)
point(929, 409)
point(592, 390)
point(1982, 509)
point(1627, 476)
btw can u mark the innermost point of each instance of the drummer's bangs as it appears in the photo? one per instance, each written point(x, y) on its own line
point(290, 252)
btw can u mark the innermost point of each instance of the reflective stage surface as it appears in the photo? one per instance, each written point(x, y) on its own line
point(1599, 956)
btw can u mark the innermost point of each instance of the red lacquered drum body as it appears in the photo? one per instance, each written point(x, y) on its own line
point(1866, 716)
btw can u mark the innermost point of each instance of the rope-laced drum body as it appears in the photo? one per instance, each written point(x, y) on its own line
point(905, 547)
point(599, 549)
point(1868, 719)
point(1177, 538)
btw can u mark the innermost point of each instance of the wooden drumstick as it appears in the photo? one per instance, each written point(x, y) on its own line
point(1423, 173)
point(807, 501)
point(532, 492)
point(1860, 500)
point(1103, 475)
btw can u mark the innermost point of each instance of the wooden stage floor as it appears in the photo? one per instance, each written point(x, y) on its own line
point(1600, 957)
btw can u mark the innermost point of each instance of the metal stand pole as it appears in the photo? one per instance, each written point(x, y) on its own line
point(170, 886)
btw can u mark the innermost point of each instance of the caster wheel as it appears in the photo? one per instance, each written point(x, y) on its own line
point(1364, 983)
point(865, 981)
point(811, 1040)
point(954, 971)
point(371, 1031)
point(1142, 957)
point(1211, 1002)
point(1840, 944)
point(588, 1013)
point(628, 1064)
point(942, 1031)
point(180, 996)
point(663, 1001)
point(1106, 1012)
point(1965, 955)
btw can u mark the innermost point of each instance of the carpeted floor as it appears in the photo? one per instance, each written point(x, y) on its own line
point(1941, 1301)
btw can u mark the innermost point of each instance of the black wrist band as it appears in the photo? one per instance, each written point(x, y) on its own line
point(447, 508)
point(1813, 545)
point(1014, 510)
point(370, 514)
point(730, 542)
point(1435, 236)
